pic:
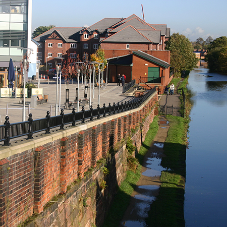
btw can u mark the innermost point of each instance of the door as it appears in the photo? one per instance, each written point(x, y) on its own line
point(153, 75)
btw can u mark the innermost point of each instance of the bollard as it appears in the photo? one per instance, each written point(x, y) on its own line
point(7, 109)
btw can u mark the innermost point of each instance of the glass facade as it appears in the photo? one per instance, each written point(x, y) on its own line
point(13, 28)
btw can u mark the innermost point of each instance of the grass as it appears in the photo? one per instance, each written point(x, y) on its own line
point(123, 196)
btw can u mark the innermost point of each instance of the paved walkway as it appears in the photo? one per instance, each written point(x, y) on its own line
point(108, 94)
point(170, 104)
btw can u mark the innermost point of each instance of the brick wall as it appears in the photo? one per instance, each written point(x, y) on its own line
point(36, 172)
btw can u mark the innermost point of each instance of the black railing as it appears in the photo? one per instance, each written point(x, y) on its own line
point(127, 86)
point(150, 79)
point(28, 128)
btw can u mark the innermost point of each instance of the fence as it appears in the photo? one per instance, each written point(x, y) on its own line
point(9, 131)
point(127, 86)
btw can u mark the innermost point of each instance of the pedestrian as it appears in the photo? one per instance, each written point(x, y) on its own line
point(171, 89)
point(119, 79)
point(123, 80)
point(124, 76)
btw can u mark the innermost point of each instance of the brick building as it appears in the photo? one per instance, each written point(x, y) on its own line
point(117, 37)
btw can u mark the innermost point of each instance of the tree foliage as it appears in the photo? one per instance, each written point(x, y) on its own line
point(41, 29)
point(217, 55)
point(181, 53)
point(99, 57)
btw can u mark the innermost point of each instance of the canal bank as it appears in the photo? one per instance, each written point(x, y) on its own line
point(146, 180)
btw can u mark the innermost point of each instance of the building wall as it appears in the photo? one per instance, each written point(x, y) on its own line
point(35, 173)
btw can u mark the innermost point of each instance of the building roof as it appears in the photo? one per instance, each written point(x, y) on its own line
point(153, 35)
point(102, 25)
point(163, 28)
point(127, 59)
point(127, 35)
point(68, 34)
point(151, 58)
point(134, 22)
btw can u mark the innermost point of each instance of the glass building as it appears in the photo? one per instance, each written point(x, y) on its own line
point(15, 30)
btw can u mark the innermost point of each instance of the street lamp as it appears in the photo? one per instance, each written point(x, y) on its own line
point(24, 71)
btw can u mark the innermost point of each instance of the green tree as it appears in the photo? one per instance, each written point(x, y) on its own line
point(41, 29)
point(181, 54)
point(200, 43)
point(217, 55)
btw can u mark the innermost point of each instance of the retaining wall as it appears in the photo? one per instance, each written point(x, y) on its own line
point(58, 179)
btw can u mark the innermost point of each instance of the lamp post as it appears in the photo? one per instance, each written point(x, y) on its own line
point(78, 83)
point(24, 71)
point(58, 71)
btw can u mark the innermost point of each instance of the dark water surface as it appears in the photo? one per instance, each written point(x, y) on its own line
point(206, 158)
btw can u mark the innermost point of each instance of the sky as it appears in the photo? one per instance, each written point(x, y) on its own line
point(192, 18)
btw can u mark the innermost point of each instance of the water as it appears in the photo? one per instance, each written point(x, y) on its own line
point(206, 173)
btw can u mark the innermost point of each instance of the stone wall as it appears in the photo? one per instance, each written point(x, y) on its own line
point(59, 178)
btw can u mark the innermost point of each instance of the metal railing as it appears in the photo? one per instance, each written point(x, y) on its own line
point(9, 131)
point(150, 79)
point(127, 86)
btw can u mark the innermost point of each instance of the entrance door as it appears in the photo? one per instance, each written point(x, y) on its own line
point(153, 75)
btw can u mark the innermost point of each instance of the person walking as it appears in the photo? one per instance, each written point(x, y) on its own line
point(119, 79)
point(171, 89)
point(123, 80)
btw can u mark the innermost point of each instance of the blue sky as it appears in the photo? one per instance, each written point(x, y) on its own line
point(192, 18)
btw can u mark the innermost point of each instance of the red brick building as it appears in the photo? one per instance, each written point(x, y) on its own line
point(117, 37)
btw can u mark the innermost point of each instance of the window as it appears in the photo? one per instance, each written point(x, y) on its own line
point(85, 46)
point(49, 54)
point(59, 45)
point(95, 46)
point(15, 43)
point(39, 55)
point(4, 43)
point(50, 65)
point(96, 36)
point(72, 55)
point(86, 36)
point(59, 55)
point(127, 46)
point(50, 44)
point(73, 45)
point(85, 57)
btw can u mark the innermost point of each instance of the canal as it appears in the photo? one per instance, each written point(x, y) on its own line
point(206, 173)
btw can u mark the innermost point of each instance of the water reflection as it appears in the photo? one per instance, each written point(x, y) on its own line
point(205, 190)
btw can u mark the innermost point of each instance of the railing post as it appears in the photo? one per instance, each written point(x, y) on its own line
point(114, 108)
point(74, 117)
point(122, 106)
point(91, 109)
point(109, 109)
point(83, 114)
point(30, 132)
point(98, 107)
point(104, 110)
point(118, 107)
point(48, 122)
point(62, 119)
point(7, 127)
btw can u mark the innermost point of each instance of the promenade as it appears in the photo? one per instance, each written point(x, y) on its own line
point(109, 93)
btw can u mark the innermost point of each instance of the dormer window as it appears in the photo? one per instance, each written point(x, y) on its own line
point(86, 36)
point(127, 46)
point(96, 36)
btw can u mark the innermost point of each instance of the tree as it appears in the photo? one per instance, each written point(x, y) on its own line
point(200, 43)
point(41, 29)
point(181, 54)
point(217, 55)
point(99, 57)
